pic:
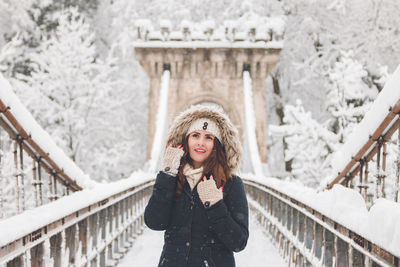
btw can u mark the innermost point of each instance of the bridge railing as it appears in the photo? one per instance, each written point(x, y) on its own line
point(33, 170)
point(369, 145)
point(308, 238)
point(374, 150)
point(42, 223)
point(96, 231)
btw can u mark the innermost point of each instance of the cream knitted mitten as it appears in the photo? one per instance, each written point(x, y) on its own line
point(172, 160)
point(209, 193)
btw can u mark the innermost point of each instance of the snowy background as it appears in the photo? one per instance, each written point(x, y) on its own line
point(72, 65)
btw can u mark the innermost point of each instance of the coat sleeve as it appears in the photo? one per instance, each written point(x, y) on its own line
point(158, 210)
point(229, 218)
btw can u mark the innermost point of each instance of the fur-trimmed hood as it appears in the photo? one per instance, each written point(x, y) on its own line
point(229, 134)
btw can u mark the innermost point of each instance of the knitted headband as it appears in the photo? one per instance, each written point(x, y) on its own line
point(206, 125)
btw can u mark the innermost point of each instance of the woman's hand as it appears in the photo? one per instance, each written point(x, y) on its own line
point(208, 192)
point(172, 159)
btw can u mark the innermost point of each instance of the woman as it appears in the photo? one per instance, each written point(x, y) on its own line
point(196, 199)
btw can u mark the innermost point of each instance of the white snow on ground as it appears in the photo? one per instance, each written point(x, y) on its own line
point(146, 250)
point(260, 252)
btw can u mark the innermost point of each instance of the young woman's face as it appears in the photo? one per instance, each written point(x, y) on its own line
point(201, 144)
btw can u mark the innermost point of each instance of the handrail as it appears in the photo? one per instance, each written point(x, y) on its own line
point(369, 139)
point(382, 134)
point(104, 230)
point(308, 237)
point(17, 132)
point(47, 175)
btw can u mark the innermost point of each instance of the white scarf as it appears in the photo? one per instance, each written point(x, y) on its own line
point(192, 175)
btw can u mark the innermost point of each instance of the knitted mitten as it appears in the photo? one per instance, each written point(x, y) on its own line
point(172, 159)
point(208, 192)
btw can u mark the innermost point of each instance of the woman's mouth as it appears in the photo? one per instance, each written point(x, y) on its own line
point(200, 150)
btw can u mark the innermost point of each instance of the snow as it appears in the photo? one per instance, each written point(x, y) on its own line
point(218, 35)
point(161, 122)
point(186, 24)
point(347, 207)
point(277, 25)
point(308, 144)
point(155, 35)
point(259, 250)
point(165, 23)
point(387, 98)
point(176, 36)
point(143, 23)
point(382, 223)
point(210, 44)
point(31, 220)
point(251, 124)
point(230, 24)
point(239, 29)
point(147, 248)
point(208, 25)
point(197, 37)
point(240, 37)
point(41, 137)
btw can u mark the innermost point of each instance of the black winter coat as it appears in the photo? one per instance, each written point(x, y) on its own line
point(194, 235)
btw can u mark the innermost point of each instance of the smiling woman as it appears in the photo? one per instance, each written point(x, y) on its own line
point(197, 200)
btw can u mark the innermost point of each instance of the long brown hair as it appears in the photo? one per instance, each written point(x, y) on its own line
point(215, 164)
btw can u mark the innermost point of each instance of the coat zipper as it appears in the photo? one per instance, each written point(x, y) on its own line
point(191, 220)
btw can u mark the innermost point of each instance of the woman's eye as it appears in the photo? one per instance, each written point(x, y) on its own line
point(210, 137)
point(195, 135)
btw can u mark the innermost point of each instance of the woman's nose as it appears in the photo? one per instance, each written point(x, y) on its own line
point(201, 141)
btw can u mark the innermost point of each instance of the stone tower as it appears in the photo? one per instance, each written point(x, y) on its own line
point(208, 67)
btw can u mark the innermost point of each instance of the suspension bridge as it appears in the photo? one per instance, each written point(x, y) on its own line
point(62, 217)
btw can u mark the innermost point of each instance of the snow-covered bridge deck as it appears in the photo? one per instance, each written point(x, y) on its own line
point(260, 251)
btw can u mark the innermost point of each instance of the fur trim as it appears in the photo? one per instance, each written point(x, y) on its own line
point(229, 134)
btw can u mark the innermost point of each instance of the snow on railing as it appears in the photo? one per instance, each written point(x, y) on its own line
point(370, 138)
point(263, 34)
point(92, 226)
point(330, 228)
point(250, 123)
point(161, 124)
point(20, 133)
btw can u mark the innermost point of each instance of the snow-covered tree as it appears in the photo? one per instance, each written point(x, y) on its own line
point(348, 97)
point(69, 79)
point(309, 144)
point(69, 85)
